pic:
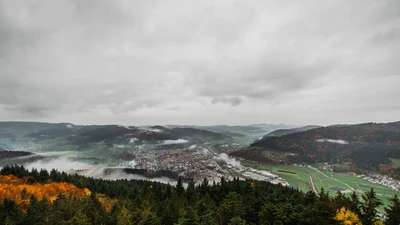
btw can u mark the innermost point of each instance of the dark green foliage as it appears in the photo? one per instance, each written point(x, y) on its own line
point(37, 212)
point(189, 217)
point(4, 154)
point(230, 207)
point(237, 221)
point(369, 207)
point(143, 202)
point(393, 212)
point(10, 212)
point(180, 190)
point(355, 204)
point(206, 209)
point(272, 214)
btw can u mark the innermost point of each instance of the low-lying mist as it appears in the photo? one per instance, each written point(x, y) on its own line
point(230, 161)
point(69, 162)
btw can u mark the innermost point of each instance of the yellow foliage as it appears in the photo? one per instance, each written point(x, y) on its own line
point(11, 187)
point(347, 217)
point(378, 222)
point(106, 201)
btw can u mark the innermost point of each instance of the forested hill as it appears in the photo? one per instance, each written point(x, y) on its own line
point(281, 132)
point(362, 147)
point(58, 198)
point(13, 135)
point(4, 154)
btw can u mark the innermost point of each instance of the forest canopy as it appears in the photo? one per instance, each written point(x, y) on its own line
point(42, 197)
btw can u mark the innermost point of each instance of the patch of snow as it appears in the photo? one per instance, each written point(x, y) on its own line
point(133, 140)
point(171, 142)
point(119, 146)
point(156, 130)
point(338, 141)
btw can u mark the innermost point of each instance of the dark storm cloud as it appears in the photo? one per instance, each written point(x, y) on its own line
point(133, 61)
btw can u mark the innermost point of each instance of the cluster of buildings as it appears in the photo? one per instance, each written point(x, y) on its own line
point(197, 163)
point(383, 180)
point(193, 163)
point(377, 179)
point(264, 176)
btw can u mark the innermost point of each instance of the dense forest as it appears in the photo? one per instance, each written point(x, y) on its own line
point(362, 147)
point(17, 157)
point(4, 154)
point(84, 200)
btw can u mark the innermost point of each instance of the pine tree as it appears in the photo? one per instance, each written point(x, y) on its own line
point(206, 210)
point(204, 187)
point(189, 217)
point(355, 205)
point(10, 212)
point(191, 193)
point(271, 214)
point(94, 209)
point(393, 212)
point(230, 207)
point(369, 207)
point(124, 217)
point(237, 221)
point(179, 187)
point(324, 196)
point(37, 212)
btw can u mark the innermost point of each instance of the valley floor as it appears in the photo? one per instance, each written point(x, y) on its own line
point(300, 177)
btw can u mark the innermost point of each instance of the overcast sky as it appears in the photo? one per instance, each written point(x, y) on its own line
point(200, 62)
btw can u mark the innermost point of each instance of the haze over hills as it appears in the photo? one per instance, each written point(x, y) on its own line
point(89, 148)
point(242, 134)
point(82, 136)
point(13, 134)
point(100, 142)
point(361, 148)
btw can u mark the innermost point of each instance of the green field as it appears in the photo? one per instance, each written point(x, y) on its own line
point(299, 180)
point(330, 181)
point(395, 162)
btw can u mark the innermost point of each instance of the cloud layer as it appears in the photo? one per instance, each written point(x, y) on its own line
point(203, 62)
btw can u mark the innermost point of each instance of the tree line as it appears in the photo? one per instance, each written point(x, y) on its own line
point(223, 203)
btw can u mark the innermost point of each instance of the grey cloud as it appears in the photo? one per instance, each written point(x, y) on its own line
point(385, 37)
point(122, 57)
point(267, 78)
point(233, 101)
point(30, 111)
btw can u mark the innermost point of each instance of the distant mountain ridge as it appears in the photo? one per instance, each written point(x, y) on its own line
point(82, 136)
point(244, 134)
point(281, 132)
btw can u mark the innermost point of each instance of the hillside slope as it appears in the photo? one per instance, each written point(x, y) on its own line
point(281, 132)
point(361, 147)
point(31, 135)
